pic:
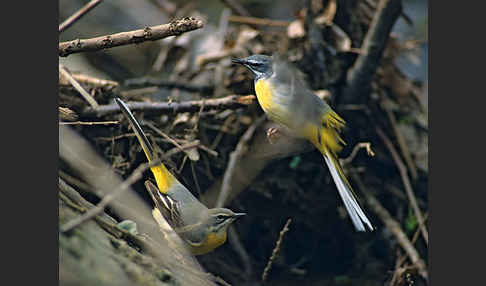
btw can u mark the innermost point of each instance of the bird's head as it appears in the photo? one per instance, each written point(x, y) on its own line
point(221, 218)
point(260, 65)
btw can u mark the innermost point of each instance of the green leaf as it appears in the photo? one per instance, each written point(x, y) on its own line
point(342, 279)
point(295, 162)
point(411, 222)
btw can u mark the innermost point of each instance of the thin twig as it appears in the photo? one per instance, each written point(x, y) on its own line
point(406, 183)
point(209, 151)
point(76, 16)
point(89, 123)
point(393, 226)
point(91, 80)
point(167, 137)
point(148, 81)
point(153, 33)
point(228, 102)
point(275, 250)
point(238, 247)
point(236, 7)
point(360, 75)
point(134, 177)
point(258, 21)
point(78, 87)
point(401, 144)
point(357, 147)
point(233, 158)
point(67, 114)
point(196, 181)
point(187, 146)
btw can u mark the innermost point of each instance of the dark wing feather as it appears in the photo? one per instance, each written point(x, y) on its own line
point(167, 206)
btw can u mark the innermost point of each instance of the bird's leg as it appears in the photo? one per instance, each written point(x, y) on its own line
point(272, 134)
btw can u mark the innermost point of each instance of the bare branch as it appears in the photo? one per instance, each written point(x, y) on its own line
point(89, 123)
point(145, 81)
point(406, 183)
point(393, 226)
point(153, 33)
point(236, 7)
point(231, 101)
point(275, 250)
point(234, 156)
point(135, 176)
point(78, 87)
point(360, 75)
point(258, 21)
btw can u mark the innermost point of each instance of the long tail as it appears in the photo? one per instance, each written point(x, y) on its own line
point(326, 138)
point(162, 176)
point(347, 194)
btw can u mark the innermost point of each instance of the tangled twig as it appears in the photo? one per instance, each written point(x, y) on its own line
point(275, 250)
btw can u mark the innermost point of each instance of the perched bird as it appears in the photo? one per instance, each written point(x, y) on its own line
point(202, 229)
point(282, 93)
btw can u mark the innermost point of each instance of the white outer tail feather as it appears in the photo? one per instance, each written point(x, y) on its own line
point(354, 210)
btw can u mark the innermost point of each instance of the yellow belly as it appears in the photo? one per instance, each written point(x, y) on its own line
point(272, 104)
point(213, 241)
point(263, 91)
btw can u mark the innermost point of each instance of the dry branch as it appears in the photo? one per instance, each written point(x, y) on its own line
point(89, 123)
point(275, 250)
point(406, 182)
point(90, 80)
point(258, 21)
point(78, 87)
point(231, 101)
point(236, 7)
point(234, 156)
point(135, 176)
point(360, 75)
point(67, 114)
point(153, 33)
point(145, 82)
point(393, 226)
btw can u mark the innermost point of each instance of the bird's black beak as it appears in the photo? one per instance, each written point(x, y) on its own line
point(237, 215)
point(239, 61)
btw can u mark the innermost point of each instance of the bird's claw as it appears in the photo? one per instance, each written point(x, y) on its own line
point(272, 134)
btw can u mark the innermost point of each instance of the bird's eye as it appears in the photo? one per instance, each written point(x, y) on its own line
point(221, 217)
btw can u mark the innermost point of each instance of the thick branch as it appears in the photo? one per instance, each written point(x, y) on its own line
point(154, 33)
point(231, 101)
point(360, 75)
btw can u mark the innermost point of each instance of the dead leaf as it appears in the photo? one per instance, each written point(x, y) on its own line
point(342, 42)
point(327, 16)
point(295, 30)
point(181, 118)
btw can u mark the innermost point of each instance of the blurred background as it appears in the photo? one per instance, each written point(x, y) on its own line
point(272, 182)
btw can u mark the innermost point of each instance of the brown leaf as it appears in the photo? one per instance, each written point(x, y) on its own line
point(295, 30)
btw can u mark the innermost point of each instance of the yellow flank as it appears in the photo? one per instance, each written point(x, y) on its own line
point(213, 241)
point(328, 131)
point(264, 94)
point(163, 178)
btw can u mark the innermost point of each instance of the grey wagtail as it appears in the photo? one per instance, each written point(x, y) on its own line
point(283, 95)
point(202, 229)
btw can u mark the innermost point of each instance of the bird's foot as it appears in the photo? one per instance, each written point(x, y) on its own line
point(272, 134)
